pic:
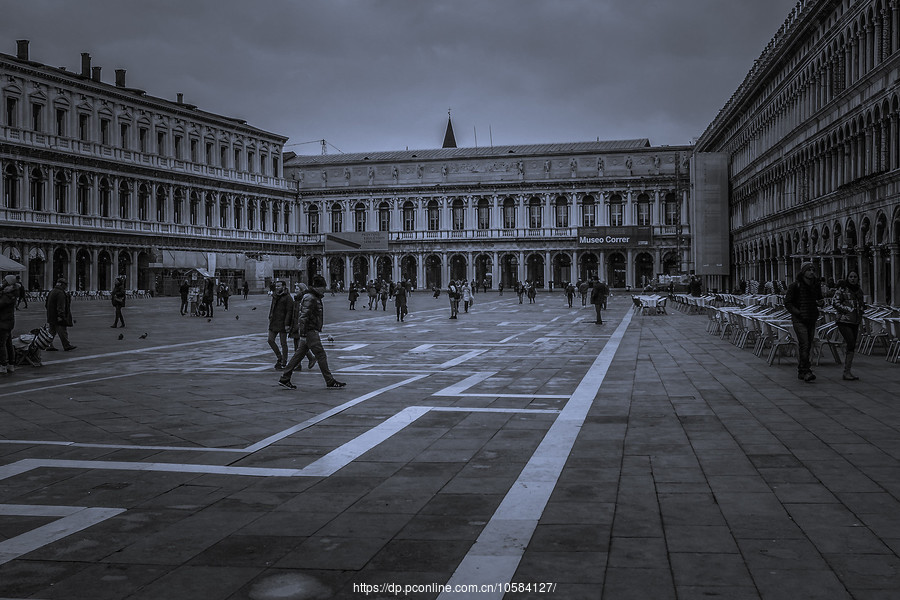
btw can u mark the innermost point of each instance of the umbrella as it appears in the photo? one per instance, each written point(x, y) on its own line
point(8, 264)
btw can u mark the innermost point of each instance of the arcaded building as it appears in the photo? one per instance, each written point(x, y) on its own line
point(98, 180)
point(805, 156)
point(496, 215)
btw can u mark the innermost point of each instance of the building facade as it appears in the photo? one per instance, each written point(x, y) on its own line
point(98, 180)
point(543, 213)
point(810, 146)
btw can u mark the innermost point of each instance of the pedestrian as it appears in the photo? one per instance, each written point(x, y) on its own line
point(500, 288)
point(280, 312)
point(531, 291)
point(302, 290)
point(183, 290)
point(385, 291)
point(467, 297)
point(436, 291)
point(59, 314)
point(225, 294)
point(583, 290)
point(520, 291)
point(246, 290)
point(570, 293)
point(372, 293)
point(9, 296)
point(849, 303)
point(118, 300)
point(208, 291)
point(401, 301)
point(474, 287)
point(309, 325)
point(219, 294)
point(599, 291)
point(802, 300)
point(454, 295)
point(23, 295)
point(354, 295)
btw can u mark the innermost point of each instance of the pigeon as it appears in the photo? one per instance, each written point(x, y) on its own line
point(209, 320)
point(121, 336)
point(143, 336)
point(330, 339)
point(237, 317)
point(254, 308)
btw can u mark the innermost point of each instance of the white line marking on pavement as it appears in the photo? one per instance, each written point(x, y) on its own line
point(74, 519)
point(151, 349)
point(119, 447)
point(321, 417)
point(50, 387)
point(352, 347)
point(460, 386)
point(422, 348)
point(54, 377)
point(460, 359)
point(495, 555)
point(514, 336)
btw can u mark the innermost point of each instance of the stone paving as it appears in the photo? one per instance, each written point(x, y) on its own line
point(520, 448)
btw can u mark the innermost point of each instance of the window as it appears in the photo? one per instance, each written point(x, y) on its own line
point(124, 199)
point(208, 211)
point(83, 196)
point(104, 131)
point(11, 187)
point(142, 138)
point(616, 211)
point(287, 219)
point(643, 213)
point(251, 215)
point(384, 217)
point(12, 112)
point(123, 135)
point(434, 216)
point(179, 142)
point(61, 193)
point(161, 201)
point(223, 154)
point(209, 153)
point(562, 212)
point(237, 215)
point(105, 196)
point(237, 159)
point(263, 215)
point(195, 151)
point(263, 161)
point(274, 166)
point(534, 213)
point(337, 219)
point(360, 217)
point(673, 210)
point(37, 190)
point(484, 214)
point(194, 213)
point(312, 219)
point(459, 215)
point(161, 143)
point(223, 214)
point(509, 214)
point(84, 127)
point(36, 114)
point(588, 212)
point(409, 217)
point(275, 210)
point(61, 122)
point(143, 201)
point(250, 157)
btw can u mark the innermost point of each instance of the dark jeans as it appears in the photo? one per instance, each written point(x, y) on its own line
point(850, 333)
point(598, 307)
point(282, 354)
point(119, 317)
point(63, 332)
point(184, 305)
point(805, 333)
point(7, 354)
point(312, 343)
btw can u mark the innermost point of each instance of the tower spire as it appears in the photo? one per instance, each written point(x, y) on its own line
point(449, 138)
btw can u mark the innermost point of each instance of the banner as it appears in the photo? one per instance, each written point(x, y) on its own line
point(357, 241)
point(614, 237)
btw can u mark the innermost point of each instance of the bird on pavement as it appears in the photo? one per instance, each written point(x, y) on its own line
point(330, 339)
point(254, 308)
point(237, 317)
point(143, 336)
point(121, 336)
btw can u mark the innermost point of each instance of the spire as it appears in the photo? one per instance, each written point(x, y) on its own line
point(449, 139)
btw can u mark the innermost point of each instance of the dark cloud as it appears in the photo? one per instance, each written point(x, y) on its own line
point(381, 74)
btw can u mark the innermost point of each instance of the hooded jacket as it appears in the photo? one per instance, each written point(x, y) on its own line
point(801, 300)
point(280, 312)
point(312, 316)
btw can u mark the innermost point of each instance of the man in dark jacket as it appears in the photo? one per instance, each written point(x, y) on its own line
point(802, 300)
point(59, 314)
point(9, 295)
point(599, 292)
point(118, 300)
point(309, 325)
point(183, 290)
point(280, 313)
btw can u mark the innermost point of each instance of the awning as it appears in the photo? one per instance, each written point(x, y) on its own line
point(8, 264)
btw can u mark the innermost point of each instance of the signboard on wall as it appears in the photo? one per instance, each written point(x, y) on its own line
point(614, 237)
point(357, 241)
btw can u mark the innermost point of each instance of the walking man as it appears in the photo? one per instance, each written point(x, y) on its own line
point(454, 294)
point(23, 297)
point(280, 312)
point(309, 325)
point(802, 300)
point(59, 314)
point(598, 298)
point(183, 290)
point(118, 300)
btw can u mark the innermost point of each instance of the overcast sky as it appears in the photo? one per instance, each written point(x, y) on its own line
point(370, 75)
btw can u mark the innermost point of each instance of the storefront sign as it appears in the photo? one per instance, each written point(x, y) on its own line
point(614, 237)
point(357, 241)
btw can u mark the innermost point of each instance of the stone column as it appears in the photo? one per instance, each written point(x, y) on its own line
point(495, 268)
point(628, 218)
point(655, 210)
point(685, 213)
point(548, 269)
point(602, 273)
point(93, 283)
point(895, 270)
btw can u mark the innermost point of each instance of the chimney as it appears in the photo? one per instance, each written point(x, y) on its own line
point(95, 74)
point(22, 49)
point(180, 98)
point(85, 64)
point(120, 77)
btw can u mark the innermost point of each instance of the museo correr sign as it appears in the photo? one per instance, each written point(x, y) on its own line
point(614, 237)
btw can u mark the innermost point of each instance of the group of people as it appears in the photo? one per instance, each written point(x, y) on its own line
point(803, 299)
point(379, 290)
point(301, 317)
point(459, 291)
point(599, 293)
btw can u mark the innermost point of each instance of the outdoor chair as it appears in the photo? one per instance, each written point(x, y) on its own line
point(827, 336)
point(874, 331)
point(661, 306)
point(782, 342)
point(893, 327)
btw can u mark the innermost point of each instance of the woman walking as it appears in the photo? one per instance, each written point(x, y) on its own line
point(849, 303)
point(118, 300)
point(401, 301)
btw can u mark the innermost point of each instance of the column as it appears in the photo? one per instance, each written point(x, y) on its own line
point(629, 267)
point(629, 208)
point(878, 294)
point(520, 269)
point(132, 276)
point(655, 211)
point(495, 269)
point(685, 214)
point(92, 283)
point(548, 270)
point(895, 270)
point(602, 273)
point(348, 272)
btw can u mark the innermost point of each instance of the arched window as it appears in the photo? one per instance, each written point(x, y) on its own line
point(208, 211)
point(251, 215)
point(105, 197)
point(616, 211)
point(588, 212)
point(384, 217)
point(84, 195)
point(459, 215)
point(673, 210)
point(263, 215)
point(562, 211)
point(238, 213)
point(534, 213)
point(409, 216)
point(337, 218)
point(484, 214)
point(312, 219)
point(162, 197)
point(359, 217)
point(11, 187)
point(194, 209)
point(124, 201)
point(223, 213)
point(276, 210)
point(509, 213)
point(61, 192)
point(434, 215)
point(143, 201)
